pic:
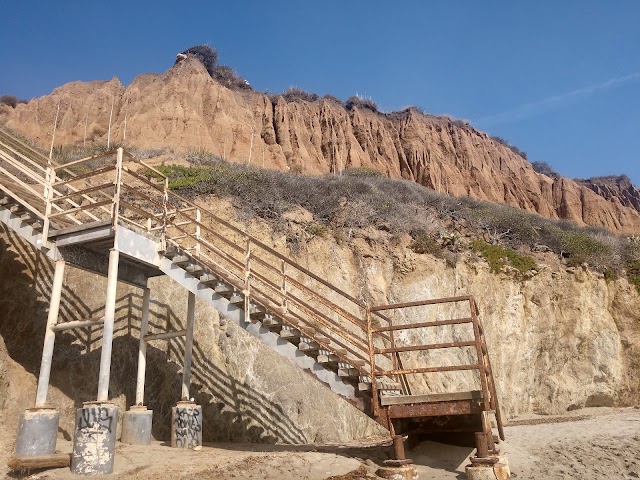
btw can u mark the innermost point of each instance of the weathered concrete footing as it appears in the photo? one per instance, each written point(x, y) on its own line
point(498, 471)
point(186, 425)
point(37, 432)
point(404, 472)
point(94, 439)
point(136, 426)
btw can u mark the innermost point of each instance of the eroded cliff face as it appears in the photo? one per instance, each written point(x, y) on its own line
point(185, 109)
point(559, 340)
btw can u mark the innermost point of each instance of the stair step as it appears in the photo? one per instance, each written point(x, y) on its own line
point(290, 333)
point(364, 384)
point(327, 359)
point(257, 311)
point(208, 279)
point(37, 225)
point(348, 372)
point(236, 298)
point(5, 200)
point(195, 269)
point(270, 321)
point(181, 260)
point(171, 251)
point(307, 345)
point(16, 208)
point(28, 218)
point(222, 287)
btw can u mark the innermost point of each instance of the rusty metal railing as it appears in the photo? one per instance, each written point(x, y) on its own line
point(476, 341)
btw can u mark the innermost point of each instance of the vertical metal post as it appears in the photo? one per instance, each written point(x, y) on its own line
point(49, 335)
point(118, 183)
point(188, 348)
point(481, 368)
point(372, 365)
point(165, 215)
point(50, 179)
point(107, 331)
point(283, 287)
point(247, 281)
point(142, 349)
point(198, 220)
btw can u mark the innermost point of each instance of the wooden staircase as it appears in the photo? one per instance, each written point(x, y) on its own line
point(81, 210)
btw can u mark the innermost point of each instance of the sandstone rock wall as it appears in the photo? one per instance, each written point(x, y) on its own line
point(185, 109)
point(560, 340)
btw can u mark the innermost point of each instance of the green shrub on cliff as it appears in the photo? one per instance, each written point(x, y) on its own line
point(498, 257)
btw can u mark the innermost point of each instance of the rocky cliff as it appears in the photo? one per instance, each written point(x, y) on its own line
point(186, 109)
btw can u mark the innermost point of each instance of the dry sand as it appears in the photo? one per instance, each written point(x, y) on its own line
point(587, 445)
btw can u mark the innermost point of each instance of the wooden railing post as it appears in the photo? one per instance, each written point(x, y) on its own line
point(118, 184)
point(372, 365)
point(247, 280)
point(198, 220)
point(165, 215)
point(478, 345)
point(283, 287)
point(48, 196)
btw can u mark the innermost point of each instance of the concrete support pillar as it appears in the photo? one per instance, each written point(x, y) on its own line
point(137, 422)
point(37, 432)
point(186, 425)
point(142, 349)
point(136, 426)
point(107, 331)
point(188, 348)
point(50, 335)
point(94, 439)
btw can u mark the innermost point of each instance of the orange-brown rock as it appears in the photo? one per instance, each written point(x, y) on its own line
point(184, 108)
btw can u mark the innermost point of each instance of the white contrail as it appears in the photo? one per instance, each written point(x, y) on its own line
point(556, 101)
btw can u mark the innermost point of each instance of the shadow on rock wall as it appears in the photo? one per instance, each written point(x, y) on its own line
point(233, 411)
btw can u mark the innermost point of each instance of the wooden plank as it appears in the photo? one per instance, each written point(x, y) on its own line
point(79, 228)
point(431, 397)
point(54, 460)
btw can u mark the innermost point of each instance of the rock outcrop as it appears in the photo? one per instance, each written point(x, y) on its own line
point(186, 109)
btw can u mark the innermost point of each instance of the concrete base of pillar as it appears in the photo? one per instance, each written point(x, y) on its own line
point(186, 425)
point(136, 426)
point(499, 471)
point(405, 472)
point(94, 439)
point(37, 432)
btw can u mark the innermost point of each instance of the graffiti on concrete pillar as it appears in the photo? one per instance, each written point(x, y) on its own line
point(96, 418)
point(188, 427)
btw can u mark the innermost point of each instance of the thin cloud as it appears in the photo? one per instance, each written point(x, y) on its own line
point(556, 101)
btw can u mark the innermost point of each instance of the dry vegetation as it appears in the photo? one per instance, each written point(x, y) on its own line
point(362, 198)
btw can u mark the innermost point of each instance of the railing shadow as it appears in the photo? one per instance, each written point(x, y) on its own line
point(234, 411)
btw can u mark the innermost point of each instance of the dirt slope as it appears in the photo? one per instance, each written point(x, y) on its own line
point(184, 108)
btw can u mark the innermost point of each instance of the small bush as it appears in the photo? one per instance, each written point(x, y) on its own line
point(332, 98)
point(545, 169)
point(361, 102)
point(228, 77)
point(208, 56)
point(513, 148)
point(296, 94)
point(424, 243)
point(11, 100)
point(497, 257)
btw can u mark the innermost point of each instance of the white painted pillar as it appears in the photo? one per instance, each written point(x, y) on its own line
point(107, 331)
point(50, 335)
point(142, 349)
point(188, 348)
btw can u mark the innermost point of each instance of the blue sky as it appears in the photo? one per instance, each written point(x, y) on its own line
point(561, 80)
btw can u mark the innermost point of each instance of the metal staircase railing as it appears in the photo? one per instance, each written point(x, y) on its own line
point(116, 187)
